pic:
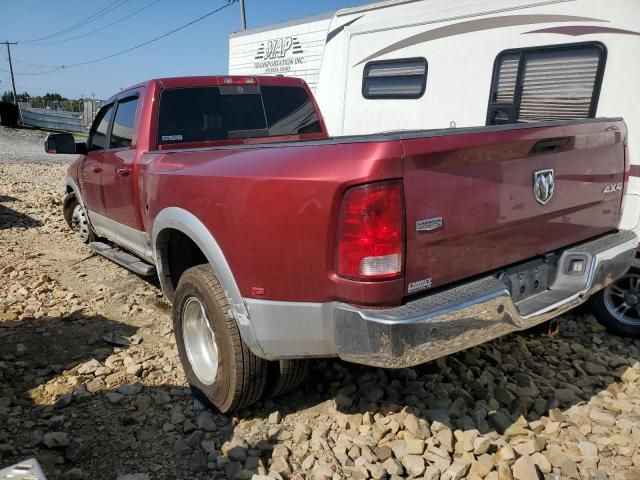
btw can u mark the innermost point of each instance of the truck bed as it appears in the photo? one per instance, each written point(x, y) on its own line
point(468, 197)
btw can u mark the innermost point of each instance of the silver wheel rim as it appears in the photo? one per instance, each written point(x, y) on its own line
point(80, 223)
point(199, 341)
point(622, 299)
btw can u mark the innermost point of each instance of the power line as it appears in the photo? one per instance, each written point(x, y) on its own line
point(84, 21)
point(122, 19)
point(135, 47)
point(155, 39)
point(32, 73)
point(32, 64)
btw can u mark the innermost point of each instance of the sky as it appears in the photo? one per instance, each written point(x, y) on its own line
point(201, 49)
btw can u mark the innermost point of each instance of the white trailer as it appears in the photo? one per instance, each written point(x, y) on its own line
point(420, 64)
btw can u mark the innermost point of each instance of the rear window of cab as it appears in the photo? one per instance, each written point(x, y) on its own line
point(200, 114)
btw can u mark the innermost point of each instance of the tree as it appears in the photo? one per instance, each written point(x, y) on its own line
point(7, 96)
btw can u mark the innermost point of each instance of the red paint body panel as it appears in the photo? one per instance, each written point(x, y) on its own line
point(273, 207)
point(273, 211)
point(482, 187)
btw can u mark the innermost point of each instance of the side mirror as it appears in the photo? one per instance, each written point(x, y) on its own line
point(60, 143)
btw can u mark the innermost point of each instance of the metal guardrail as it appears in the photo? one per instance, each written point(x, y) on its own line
point(53, 119)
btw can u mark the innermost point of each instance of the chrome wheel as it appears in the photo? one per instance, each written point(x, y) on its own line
point(80, 223)
point(622, 299)
point(199, 341)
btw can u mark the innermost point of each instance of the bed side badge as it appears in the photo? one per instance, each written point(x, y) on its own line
point(429, 224)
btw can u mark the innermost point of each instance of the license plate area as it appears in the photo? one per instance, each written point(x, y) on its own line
point(526, 280)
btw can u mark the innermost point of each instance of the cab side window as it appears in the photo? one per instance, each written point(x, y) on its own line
point(123, 123)
point(100, 129)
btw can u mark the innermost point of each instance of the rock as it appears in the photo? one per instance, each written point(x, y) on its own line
point(415, 446)
point(206, 421)
point(63, 400)
point(445, 437)
point(181, 447)
point(414, 465)
point(529, 447)
point(114, 397)
point(198, 462)
point(231, 469)
point(504, 471)
point(281, 466)
point(343, 400)
point(130, 389)
point(457, 470)
point(372, 392)
point(134, 476)
point(301, 433)
point(481, 445)
point(479, 469)
point(275, 418)
point(542, 462)
point(95, 385)
point(505, 455)
point(500, 421)
point(431, 473)
point(399, 448)
point(525, 469)
point(383, 453)
point(569, 469)
point(393, 467)
point(280, 450)
point(588, 449)
point(601, 417)
point(55, 439)
point(595, 369)
point(322, 472)
point(73, 474)
point(89, 367)
point(504, 396)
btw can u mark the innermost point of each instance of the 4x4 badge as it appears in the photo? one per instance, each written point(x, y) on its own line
point(543, 185)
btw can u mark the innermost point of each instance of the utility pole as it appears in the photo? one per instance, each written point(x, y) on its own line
point(13, 80)
point(242, 15)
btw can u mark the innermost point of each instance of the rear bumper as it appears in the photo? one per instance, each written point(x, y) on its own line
point(473, 313)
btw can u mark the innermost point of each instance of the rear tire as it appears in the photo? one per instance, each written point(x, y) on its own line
point(285, 376)
point(219, 366)
point(617, 306)
point(76, 217)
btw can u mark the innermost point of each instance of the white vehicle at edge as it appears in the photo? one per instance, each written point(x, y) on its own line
point(419, 64)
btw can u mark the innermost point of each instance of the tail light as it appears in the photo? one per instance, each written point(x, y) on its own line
point(371, 232)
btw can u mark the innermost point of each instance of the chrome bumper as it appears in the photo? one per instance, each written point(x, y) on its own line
point(476, 312)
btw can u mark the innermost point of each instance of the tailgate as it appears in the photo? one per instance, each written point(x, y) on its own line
point(483, 199)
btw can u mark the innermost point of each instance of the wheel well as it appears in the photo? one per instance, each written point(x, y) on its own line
point(177, 253)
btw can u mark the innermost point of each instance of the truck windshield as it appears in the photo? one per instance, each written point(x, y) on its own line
point(199, 114)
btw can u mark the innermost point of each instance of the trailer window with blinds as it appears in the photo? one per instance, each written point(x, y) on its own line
point(547, 83)
point(400, 78)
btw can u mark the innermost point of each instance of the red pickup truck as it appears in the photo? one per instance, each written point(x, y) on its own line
point(276, 243)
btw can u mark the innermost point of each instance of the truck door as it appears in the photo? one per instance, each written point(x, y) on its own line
point(93, 164)
point(118, 175)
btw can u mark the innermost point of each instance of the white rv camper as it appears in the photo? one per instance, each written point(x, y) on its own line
point(420, 64)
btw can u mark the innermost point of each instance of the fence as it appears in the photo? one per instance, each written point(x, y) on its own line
point(53, 119)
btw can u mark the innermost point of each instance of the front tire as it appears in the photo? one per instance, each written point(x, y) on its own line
point(617, 306)
point(219, 366)
point(76, 217)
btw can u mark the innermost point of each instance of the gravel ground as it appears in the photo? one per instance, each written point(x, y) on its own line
point(27, 146)
point(91, 386)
